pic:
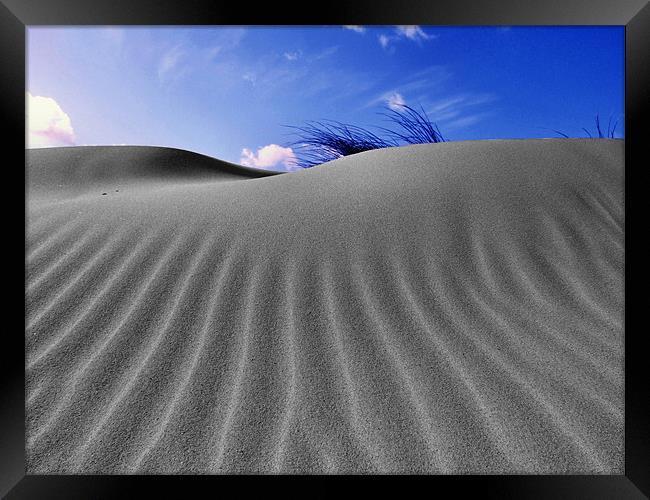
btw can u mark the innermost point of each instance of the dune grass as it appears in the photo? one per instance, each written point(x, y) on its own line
point(599, 132)
point(322, 141)
point(610, 129)
point(318, 142)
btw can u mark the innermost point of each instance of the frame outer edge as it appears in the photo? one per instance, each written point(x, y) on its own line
point(12, 368)
point(15, 14)
point(637, 96)
point(456, 12)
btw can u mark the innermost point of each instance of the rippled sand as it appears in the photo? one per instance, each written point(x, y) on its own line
point(446, 308)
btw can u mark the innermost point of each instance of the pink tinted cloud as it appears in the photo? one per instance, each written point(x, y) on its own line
point(271, 156)
point(47, 124)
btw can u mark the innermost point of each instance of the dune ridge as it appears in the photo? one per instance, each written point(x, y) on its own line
point(447, 308)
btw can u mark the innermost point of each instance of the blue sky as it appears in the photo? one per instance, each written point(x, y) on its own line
point(227, 91)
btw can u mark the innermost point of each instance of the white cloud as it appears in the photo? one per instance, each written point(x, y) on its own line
point(355, 27)
point(391, 98)
point(384, 40)
point(396, 101)
point(47, 124)
point(291, 56)
point(268, 157)
point(413, 33)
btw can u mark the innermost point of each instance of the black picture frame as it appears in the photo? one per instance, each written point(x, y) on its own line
point(17, 15)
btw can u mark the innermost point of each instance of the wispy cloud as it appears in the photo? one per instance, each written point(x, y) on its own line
point(185, 54)
point(450, 111)
point(170, 62)
point(267, 78)
point(326, 52)
point(47, 124)
point(213, 52)
point(395, 101)
point(460, 111)
point(413, 32)
point(446, 108)
point(466, 121)
point(227, 40)
point(313, 78)
point(292, 56)
point(355, 27)
point(428, 80)
point(271, 157)
point(418, 86)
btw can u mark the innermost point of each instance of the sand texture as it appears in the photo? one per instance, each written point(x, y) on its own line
point(445, 308)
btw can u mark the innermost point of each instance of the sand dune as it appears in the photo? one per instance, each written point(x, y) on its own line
point(446, 308)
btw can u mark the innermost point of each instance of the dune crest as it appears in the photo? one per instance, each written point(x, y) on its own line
point(443, 308)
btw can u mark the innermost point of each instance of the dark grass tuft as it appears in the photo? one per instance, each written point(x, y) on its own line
point(322, 141)
point(610, 129)
point(416, 127)
point(600, 133)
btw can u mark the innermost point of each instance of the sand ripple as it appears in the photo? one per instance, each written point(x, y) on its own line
point(452, 308)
